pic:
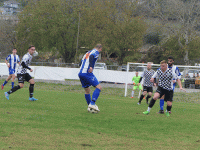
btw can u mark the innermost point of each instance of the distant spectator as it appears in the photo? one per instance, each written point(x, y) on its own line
point(187, 76)
point(198, 76)
point(194, 75)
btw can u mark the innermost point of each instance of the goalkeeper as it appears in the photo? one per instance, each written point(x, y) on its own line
point(136, 83)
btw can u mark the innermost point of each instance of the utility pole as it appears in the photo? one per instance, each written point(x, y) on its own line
point(77, 39)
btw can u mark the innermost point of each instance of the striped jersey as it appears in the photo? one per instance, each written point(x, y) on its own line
point(13, 60)
point(176, 70)
point(27, 60)
point(85, 62)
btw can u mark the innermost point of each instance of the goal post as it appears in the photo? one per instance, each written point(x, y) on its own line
point(190, 83)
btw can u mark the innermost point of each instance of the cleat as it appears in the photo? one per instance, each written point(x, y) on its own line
point(2, 87)
point(32, 99)
point(139, 103)
point(147, 103)
point(146, 112)
point(167, 114)
point(7, 95)
point(170, 112)
point(131, 97)
point(94, 107)
point(161, 112)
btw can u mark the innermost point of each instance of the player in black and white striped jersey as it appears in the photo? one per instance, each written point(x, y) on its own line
point(22, 74)
point(165, 86)
point(147, 84)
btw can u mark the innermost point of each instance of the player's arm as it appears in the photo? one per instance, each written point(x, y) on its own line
point(91, 63)
point(153, 78)
point(178, 81)
point(6, 61)
point(18, 61)
point(25, 66)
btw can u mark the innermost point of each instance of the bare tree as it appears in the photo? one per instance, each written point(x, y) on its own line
point(176, 17)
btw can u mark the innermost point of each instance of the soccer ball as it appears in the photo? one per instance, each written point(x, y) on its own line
point(92, 111)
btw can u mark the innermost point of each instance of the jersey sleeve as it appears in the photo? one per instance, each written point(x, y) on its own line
point(8, 57)
point(25, 58)
point(177, 71)
point(18, 59)
point(155, 75)
point(142, 75)
point(175, 77)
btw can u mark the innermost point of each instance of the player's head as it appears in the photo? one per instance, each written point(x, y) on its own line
point(170, 61)
point(31, 49)
point(163, 65)
point(14, 51)
point(149, 65)
point(136, 73)
point(99, 47)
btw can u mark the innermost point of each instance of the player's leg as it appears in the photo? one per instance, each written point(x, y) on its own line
point(148, 96)
point(133, 91)
point(13, 80)
point(143, 95)
point(94, 82)
point(158, 93)
point(86, 85)
point(31, 87)
point(169, 99)
point(87, 95)
point(161, 111)
point(6, 81)
point(15, 88)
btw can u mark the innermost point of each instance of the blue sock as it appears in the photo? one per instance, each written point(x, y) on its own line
point(12, 84)
point(5, 83)
point(161, 104)
point(88, 98)
point(95, 94)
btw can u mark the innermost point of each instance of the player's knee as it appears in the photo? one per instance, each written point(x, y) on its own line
point(21, 85)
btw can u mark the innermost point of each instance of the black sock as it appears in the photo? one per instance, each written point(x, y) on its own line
point(152, 102)
point(169, 108)
point(14, 89)
point(147, 98)
point(31, 88)
point(141, 97)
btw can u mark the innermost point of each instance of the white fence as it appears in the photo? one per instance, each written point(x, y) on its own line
point(61, 73)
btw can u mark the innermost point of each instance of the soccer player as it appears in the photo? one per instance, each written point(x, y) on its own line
point(147, 84)
point(176, 70)
point(165, 86)
point(136, 83)
point(11, 62)
point(87, 77)
point(23, 75)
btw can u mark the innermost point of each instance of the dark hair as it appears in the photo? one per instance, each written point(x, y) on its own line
point(170, 57)
point(14, 48)
point(31, 46)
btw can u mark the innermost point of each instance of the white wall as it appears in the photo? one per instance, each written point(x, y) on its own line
point(59, 73)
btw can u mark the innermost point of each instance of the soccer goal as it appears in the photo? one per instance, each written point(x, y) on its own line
point(189, 78)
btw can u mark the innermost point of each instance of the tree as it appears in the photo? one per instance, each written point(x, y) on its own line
point(50, 26)
point(111, 23)
point(179, 18)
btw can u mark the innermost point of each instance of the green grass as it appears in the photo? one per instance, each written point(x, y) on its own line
point(59, 120)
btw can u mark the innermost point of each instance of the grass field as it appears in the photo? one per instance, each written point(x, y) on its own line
point(59, 120)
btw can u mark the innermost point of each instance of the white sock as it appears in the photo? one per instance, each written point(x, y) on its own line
point(132, 93)
point(148, 109)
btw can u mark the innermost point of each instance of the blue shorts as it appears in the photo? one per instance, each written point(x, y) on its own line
point(11, 71)
point(88, 79)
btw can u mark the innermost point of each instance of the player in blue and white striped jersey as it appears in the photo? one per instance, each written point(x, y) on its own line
point(22, 74)
point(177, 72)
point(11, 62)
point(87, 77)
